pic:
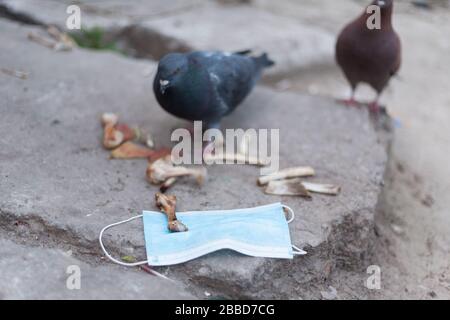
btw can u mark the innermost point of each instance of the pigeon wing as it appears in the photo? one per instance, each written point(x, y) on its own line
point(233, 77)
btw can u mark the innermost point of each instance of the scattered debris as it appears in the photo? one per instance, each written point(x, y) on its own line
point(15, 73)
point(167, 184)
point(67, 253)
point(144, 137)
point(397, 229)
point(112, 138)
point(46, 42)
point(128, 259)
point(148, 269)
point(116, 133)
point(322, 188)
point(68, 43)
point(110, 118)
point(167, 204)
point(161, 170)
point(287, 188)
point(329, 295)
point(287, 182)
point(428, 201)
point(58, 41)
point(207, 294)
point(234, 157)
point(400, 167)
point(130, 150)
point(128, 133)
point(297, 187)
point(326, 270)
point(118, 137)
point(159, 153)
point(286, 174)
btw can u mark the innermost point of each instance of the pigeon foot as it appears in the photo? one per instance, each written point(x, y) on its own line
point(374, 107)
point(349, 102)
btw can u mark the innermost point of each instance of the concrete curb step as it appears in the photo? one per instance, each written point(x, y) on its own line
point(56, 172)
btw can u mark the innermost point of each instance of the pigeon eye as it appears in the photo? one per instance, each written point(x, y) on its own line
point(177, 70)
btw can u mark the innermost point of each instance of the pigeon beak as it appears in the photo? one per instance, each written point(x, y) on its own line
point(163, 85)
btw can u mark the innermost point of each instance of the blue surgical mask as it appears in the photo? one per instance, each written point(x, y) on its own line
point(259, 232)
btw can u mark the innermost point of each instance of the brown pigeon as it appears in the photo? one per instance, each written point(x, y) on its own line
point(369, 55)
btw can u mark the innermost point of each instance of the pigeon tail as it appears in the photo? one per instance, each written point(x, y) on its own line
point(264, 61)
point(244, 52)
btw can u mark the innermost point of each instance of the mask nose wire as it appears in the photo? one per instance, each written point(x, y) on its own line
point(297, 250)
point(134, 264)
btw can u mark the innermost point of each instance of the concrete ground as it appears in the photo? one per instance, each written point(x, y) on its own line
point(47, 271)
point(49, 201)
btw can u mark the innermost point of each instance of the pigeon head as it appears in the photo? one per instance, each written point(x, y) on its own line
point(386, 9)
point(383, 4)
point(170, 67)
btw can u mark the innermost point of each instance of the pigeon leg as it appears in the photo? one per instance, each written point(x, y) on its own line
point(351, 102)
point(209, 144)
point(374, 107)
point(189, 127)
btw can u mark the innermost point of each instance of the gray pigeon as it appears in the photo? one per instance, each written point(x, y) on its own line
point(206, 85)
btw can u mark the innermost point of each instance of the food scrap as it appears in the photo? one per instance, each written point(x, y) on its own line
point(112, 138)
point(130, 150)
point(58, 41)
point(287, 188)
point(144, 137)
point(127, 142)
point(234, 157)
point(15, 73)
point(167, 204)
point(286, 174)
point(322, 188)
point(115, 133)
point(163, 171)
point(287, 182)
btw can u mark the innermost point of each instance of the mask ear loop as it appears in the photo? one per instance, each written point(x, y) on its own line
point(134, 264)
point(297, 250)
point(289, 209)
